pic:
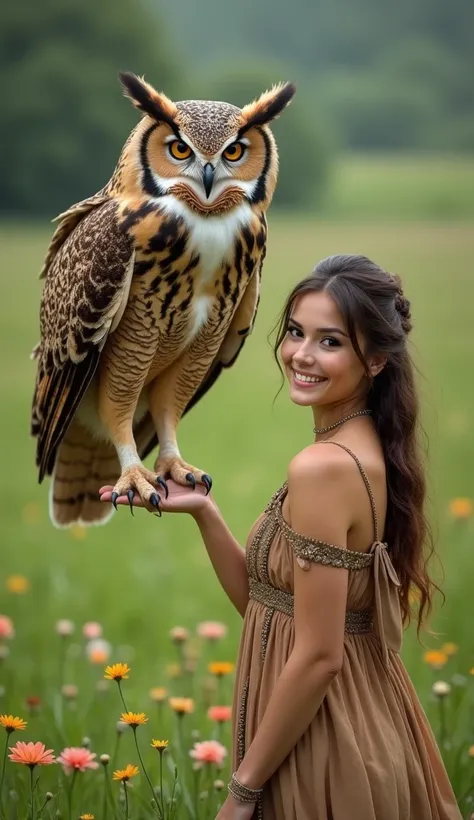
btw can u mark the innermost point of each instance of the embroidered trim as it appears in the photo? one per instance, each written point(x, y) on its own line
point(267, 625)
point(241, 723)
point(274, 598)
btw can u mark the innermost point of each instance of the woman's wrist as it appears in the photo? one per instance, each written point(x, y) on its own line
point(206, 512)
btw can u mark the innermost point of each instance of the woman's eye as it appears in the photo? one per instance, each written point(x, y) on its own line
point(179, 150)
point(234, 152)
point(294, 331)
point(331, 341)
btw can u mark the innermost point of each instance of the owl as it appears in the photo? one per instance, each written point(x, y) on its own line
point(151, 287)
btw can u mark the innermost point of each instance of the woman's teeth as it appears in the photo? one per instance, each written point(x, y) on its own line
point(300, 377)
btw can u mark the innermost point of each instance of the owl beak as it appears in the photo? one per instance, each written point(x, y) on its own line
point(208, 177)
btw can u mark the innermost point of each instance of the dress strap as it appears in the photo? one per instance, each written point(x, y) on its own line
point(366, 482)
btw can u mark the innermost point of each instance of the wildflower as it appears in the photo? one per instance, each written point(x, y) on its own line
point(69, 691)
point(4, 652)
point(461, 508)
point(449, 649)
point(77, 532)
point(33, 703)
point(105, 760)
point(182, 706)
point(221, 668)
point(179, 634)
point(211, 630)
point(160, 745)
point(125, 774)
point(209, 751)
point(92, 630)
point(86, 742)
point(471, 751)
point(31, 754)
point(435, 658)
point(219, 713)
point(120, 727)
point(98, 651)
point(87, 817)
point(219, 785)
point(118, 671)
point(441, 689)
point(134, 719)
point(12, 724)
point(17, 584)
point(77, 758)
point(158, 694)
point(6, 627)
point(64, 627)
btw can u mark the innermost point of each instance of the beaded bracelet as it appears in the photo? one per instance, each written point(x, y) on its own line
point(243, 793)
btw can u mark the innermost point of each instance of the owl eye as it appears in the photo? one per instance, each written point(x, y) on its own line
point(179, 150)
point(234, 151)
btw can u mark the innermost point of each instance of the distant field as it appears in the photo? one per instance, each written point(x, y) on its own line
point(140, 576)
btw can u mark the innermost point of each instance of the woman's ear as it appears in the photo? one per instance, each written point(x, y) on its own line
point(376, 365)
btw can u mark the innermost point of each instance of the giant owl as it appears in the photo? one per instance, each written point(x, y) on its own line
point(151, 287)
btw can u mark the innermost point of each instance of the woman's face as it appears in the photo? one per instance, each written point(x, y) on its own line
point(320, 363)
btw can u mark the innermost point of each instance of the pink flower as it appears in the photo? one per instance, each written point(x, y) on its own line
point(77, 757)
point(209, 751)
point(219, 713)
point(212, 630)
point(6, 627)
point(92, 630)
point(31, 754)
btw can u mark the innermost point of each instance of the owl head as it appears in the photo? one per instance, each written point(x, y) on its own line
point(210, 155)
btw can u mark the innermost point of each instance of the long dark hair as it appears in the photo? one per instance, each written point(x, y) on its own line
point(371, 301)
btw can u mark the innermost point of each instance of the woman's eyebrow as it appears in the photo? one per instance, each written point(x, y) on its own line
point(321, 329)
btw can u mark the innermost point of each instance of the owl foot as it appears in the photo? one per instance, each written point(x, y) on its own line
point(181, 472)
point(138, 480)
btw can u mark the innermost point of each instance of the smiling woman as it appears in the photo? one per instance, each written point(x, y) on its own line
point(326, 722)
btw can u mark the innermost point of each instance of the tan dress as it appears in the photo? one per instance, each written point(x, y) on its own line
point(369, 753)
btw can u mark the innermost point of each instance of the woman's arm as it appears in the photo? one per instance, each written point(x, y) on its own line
point(318, 499)
point(226, 554)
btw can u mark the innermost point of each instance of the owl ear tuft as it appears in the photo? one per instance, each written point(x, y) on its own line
point(147, 99)
point(267, 107)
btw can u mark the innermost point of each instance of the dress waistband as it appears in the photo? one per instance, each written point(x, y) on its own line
point(281, 599)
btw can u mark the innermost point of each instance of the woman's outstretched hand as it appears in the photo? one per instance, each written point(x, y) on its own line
point(180, 499)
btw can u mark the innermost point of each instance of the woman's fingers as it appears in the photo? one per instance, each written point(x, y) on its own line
point(106, 495)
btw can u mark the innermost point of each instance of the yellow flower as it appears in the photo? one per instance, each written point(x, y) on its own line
point(134, 719)
point(461, 508)
point(471, 751)
point(182, 706)
point(118, 671)
point(160, 745)
point(173, 670)
point(221, 668)
point(86, 817)
point(17, 584)
point(158, 694)
point(77, 532)
point(471, 671)
point(125, 774)
point(449, 649)
point(11, 724)
point(435, 658)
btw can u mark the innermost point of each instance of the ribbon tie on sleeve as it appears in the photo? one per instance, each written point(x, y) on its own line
point(387, 616)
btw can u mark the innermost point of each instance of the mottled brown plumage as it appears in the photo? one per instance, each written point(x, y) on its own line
point(151, 287)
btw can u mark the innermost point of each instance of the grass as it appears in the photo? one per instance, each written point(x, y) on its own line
point(141, 576)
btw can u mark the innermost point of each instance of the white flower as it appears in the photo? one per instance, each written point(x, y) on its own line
point(64, 627)
point(441, 689)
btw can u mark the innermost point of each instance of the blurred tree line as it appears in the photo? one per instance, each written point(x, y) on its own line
point(371, 75)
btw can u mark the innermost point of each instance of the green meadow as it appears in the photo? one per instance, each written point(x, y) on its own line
point(140, 576)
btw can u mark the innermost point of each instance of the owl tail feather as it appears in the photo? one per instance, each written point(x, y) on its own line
point(83, 465)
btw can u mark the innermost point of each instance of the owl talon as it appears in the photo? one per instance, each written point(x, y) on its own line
point(114, 499)
point(163, 484)
point(156, 503)
point(207, 481)
point(191, 479)
point(131, 496)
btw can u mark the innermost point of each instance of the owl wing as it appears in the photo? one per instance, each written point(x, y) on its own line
point(84, 296)
point(67, 222)
point(240, 328)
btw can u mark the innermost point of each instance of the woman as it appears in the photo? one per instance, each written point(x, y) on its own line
point(326, 722)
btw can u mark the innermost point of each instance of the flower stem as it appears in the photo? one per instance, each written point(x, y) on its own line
point(161, 785)
point(119, 684)
point(442, 723)
point(70, 793)
point(126, 799)
point(32, 793)
point(145, 771)
point(3, 772)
